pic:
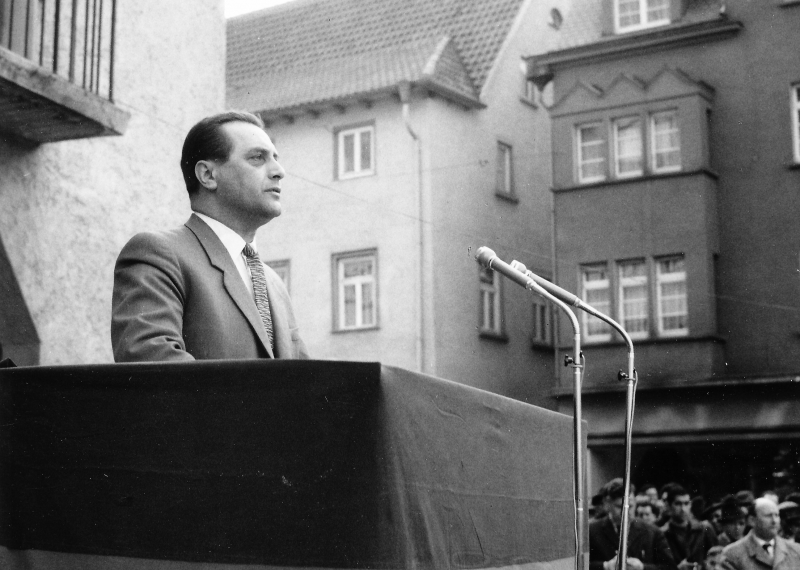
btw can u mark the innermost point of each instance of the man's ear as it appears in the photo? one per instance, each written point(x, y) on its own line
point(205, 171)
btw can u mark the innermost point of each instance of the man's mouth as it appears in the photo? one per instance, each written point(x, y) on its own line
point(276, 190)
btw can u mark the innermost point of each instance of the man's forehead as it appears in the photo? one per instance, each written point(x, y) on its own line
point(247, 135)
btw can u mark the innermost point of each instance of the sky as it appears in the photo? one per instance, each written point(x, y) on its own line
point(236, 7)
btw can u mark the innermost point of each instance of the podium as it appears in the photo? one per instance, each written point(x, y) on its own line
point(276, 464)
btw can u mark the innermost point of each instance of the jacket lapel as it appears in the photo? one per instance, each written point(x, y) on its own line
point(755, 551)
point(780, 552)
point(236, 289)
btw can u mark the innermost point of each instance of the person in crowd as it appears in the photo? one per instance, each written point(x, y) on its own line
point(597, 510)
point(647, 547)
point(689, 541)
point(745, 499)
point(201, 291)
point(646, 511)
point(732, 521)
point(790, 521)
point(762, 548)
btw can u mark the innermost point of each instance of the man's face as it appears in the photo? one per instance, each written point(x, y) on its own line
point(679, 508)
point(249, 182)
point(766, 521)
point(645, 512)
point(734, 529)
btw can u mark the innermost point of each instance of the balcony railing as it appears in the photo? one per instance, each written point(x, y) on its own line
point(57, 69)
point(72, 38)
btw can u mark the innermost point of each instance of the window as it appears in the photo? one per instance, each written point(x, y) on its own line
point(356, 151)
point(591, 153)
point(356, 287)
point(666, 142)
point(596, 291)
point(796, 121)
point(541, 331)
point(505, 171)
point(633, 298)
point(632, 15)
point(671, 289)
point(282, 269)
point(628, 146)
point(491, 309)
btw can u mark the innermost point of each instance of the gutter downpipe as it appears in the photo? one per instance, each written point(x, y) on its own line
point(404, 91)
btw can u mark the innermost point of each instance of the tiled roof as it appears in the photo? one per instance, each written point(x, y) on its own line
point(312, 51)
point(583, 24)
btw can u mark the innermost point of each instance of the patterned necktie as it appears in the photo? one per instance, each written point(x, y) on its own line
point(259, 288)
point(768, 548)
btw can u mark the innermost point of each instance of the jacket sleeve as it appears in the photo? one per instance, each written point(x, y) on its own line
point(147, 303)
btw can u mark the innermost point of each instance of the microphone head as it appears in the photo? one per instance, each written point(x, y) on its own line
point(519, 266)
point(484, 256)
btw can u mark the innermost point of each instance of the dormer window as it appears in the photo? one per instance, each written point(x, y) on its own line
point(633, 15)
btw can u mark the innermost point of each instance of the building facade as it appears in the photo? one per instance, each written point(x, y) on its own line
point(96, 99)
point(411, 137)
point(675, 181)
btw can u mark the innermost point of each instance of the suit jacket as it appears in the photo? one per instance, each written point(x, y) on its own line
point(699, 540)
point(645, 542)
point(746, 554)
point(178, 296)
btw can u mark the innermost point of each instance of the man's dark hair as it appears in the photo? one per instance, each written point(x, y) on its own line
point(673, 491)
point(614, 489)
point(207, 141)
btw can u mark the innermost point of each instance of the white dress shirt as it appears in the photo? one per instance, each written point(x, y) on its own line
point(234, 243)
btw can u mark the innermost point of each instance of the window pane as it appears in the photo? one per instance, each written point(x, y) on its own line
point(349, 305)
point(657, 10)
point(357, 267)
point(628, 13)
point(666, 142)
point(591, 153)
point(349, 150)
point(366, 150)
point(633, 291)
point(596, 293)
point(672, 303)
point(629, 146)
point(367, 305)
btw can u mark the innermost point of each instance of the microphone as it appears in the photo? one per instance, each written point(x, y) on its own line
point(519, 273)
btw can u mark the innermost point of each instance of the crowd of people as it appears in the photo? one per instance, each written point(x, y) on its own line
point(670, 529)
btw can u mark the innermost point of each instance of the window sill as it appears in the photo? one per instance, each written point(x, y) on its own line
point(507, 197)
point(794, 165)
point(531, 103)
point(495, 336)
point(788, 3)
point(358, 330)
point(355, 176)
point(541, 346)
point(638, 179)
point(647, 341)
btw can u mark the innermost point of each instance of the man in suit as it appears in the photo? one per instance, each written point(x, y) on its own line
point(201, 291)
point(647, 547)
point(688, 540)
point(762, 548)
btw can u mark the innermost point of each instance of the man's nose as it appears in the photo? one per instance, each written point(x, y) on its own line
point(276, 171)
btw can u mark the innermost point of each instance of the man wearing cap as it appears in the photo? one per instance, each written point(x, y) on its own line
point(762, 548)
point(647, 548)
point(790, 520)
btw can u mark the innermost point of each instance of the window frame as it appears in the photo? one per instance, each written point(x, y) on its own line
point(654, 149)
point(542, 322)
point(603, 160)
point(283, 267)
point(504, 171)
point(660, 279)
point(795, 109)
point(615, 133)
point(356, 131)
point(635, 281)
point(338, 262)
point(643, 24)
point(489, 311)
point(586, 318)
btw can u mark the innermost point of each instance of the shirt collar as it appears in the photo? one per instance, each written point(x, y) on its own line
point(761, 542)
point(232, 241)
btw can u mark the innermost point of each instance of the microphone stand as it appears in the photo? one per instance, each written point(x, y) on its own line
point(575, 362)
point(488, 258)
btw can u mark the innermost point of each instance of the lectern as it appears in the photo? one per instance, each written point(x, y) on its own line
point(276, 464)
